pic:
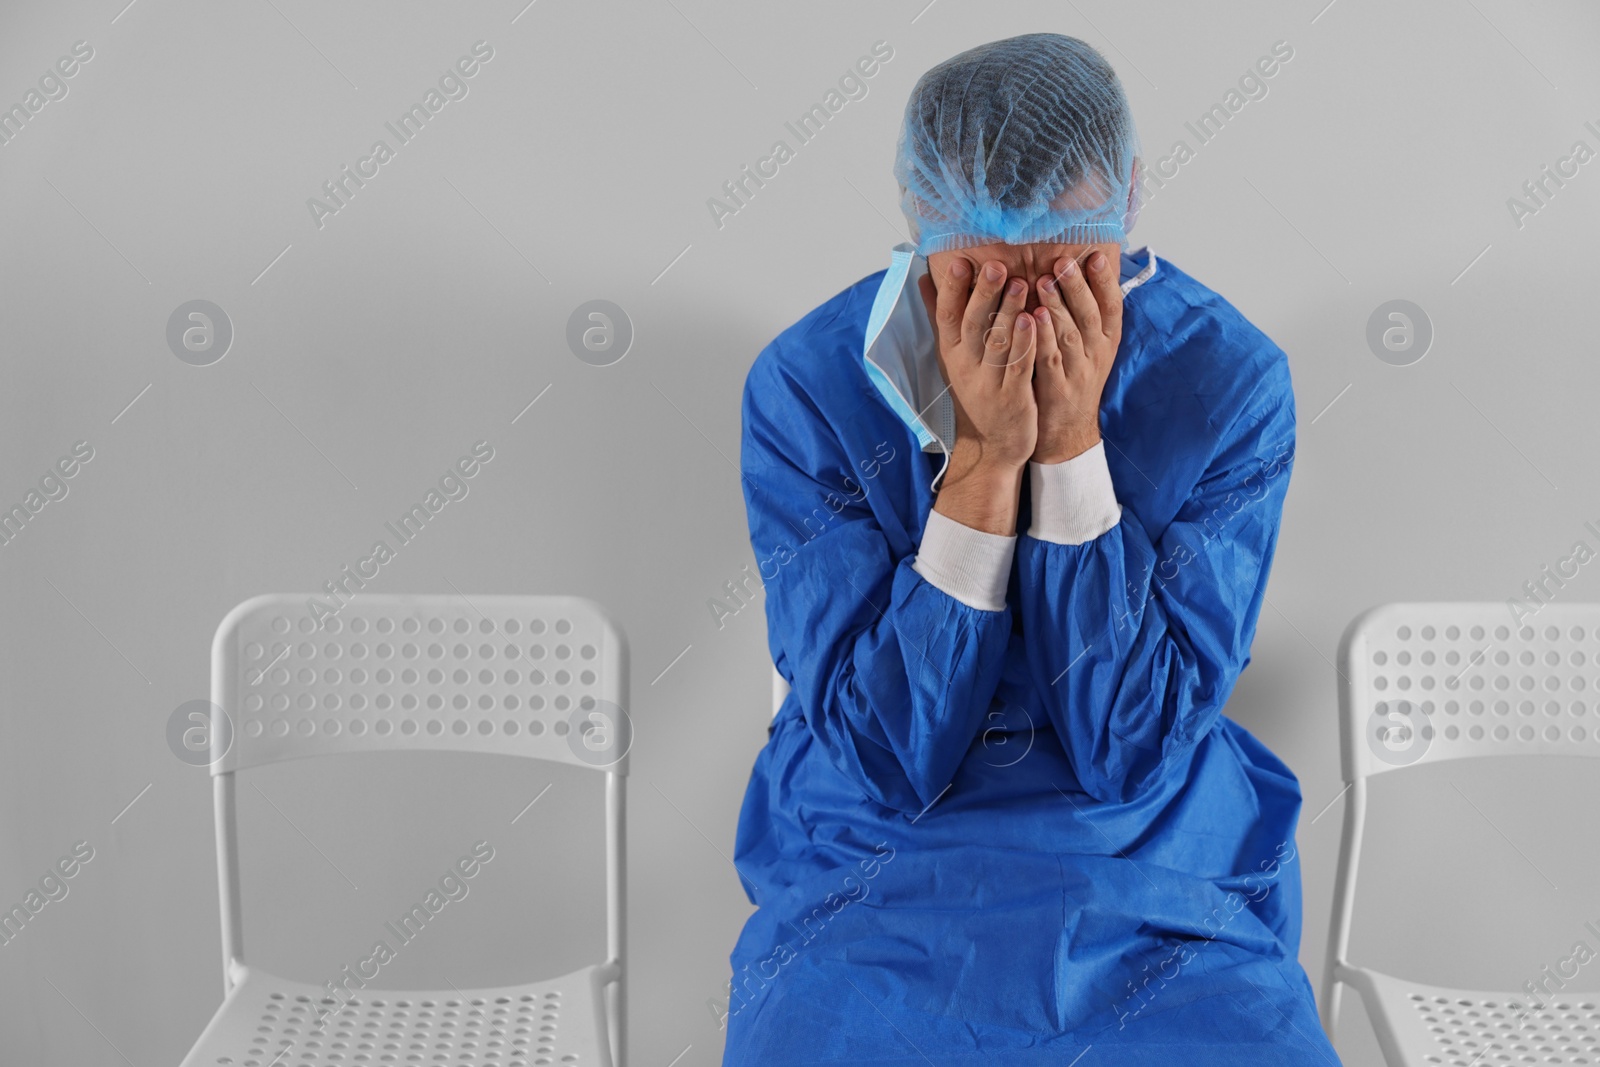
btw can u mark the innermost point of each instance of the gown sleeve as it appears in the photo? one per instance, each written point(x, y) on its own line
point(1135, 641)
point(893, 675)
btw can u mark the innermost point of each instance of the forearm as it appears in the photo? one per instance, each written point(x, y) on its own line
point(970, 536)
point(980, 492)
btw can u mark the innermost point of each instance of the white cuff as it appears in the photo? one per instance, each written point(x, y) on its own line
point(970, 565)
point(1074, 501)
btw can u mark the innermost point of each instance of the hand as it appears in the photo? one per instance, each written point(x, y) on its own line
point(1079, 328)
point(986, 350)
point(987, 357)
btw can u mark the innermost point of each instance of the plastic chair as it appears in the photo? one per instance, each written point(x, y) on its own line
point(538, 677)
point(1426, 682)
point(780, 689)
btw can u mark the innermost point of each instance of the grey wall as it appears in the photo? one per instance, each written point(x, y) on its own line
point(425, 315)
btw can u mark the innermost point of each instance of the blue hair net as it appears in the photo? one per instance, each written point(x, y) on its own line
point(1023, 140)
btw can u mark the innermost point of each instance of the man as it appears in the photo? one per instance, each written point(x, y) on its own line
point(1000, 818)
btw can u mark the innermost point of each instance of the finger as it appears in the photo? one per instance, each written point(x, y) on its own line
point(1000, 341)
point(942, 331)
point(981, 308)
point(1024, 346)
point(1050, 379)
point(1048, 360)
point(1052, 295)
point(950, 301)
point(1079, 298)
point(1107, 287)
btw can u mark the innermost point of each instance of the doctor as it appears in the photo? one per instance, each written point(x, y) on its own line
point(1021, 492)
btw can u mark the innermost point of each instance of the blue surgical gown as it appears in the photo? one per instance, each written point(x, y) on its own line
point(1008, 837)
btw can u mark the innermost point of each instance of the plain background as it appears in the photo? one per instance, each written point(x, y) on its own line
point(426, 315)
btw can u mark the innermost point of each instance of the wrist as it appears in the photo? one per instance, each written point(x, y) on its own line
point(972, 458)
point(981, 492)
point(1066, 446)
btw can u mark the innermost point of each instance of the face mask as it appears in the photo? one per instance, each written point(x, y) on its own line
point(902, 355)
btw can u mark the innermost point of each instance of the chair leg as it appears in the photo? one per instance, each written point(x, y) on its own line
point(1330, 1008)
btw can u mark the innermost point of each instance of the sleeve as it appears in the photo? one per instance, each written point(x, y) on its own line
point(1135, 642)
point(892, 673)
point(1073, 501)
point(971, 565)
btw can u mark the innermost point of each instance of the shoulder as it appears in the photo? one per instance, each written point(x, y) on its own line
point(1180, 327)
point(821, 352)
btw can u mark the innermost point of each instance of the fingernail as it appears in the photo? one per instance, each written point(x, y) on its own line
point(1047, 283)
point(1097, 261)
point(1072, 267)
point(1024, 322)
point(1016, 287)
point(959, 268)
point(992, 272)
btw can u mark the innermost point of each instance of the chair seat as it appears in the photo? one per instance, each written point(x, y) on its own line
point(267, 1021)
point(1474, 1028)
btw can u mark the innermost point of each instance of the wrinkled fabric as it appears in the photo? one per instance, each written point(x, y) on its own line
point(1029, 139)
point(1005, 837)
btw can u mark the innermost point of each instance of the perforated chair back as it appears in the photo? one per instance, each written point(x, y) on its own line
point(541, 677)
point(519, 676)
point(1426, 682)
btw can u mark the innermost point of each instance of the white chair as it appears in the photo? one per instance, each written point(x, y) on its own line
point(780, 689)
point(1425, 682)
point(543, 677)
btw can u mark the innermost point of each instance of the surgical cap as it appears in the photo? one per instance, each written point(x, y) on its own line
point(1023, 140)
